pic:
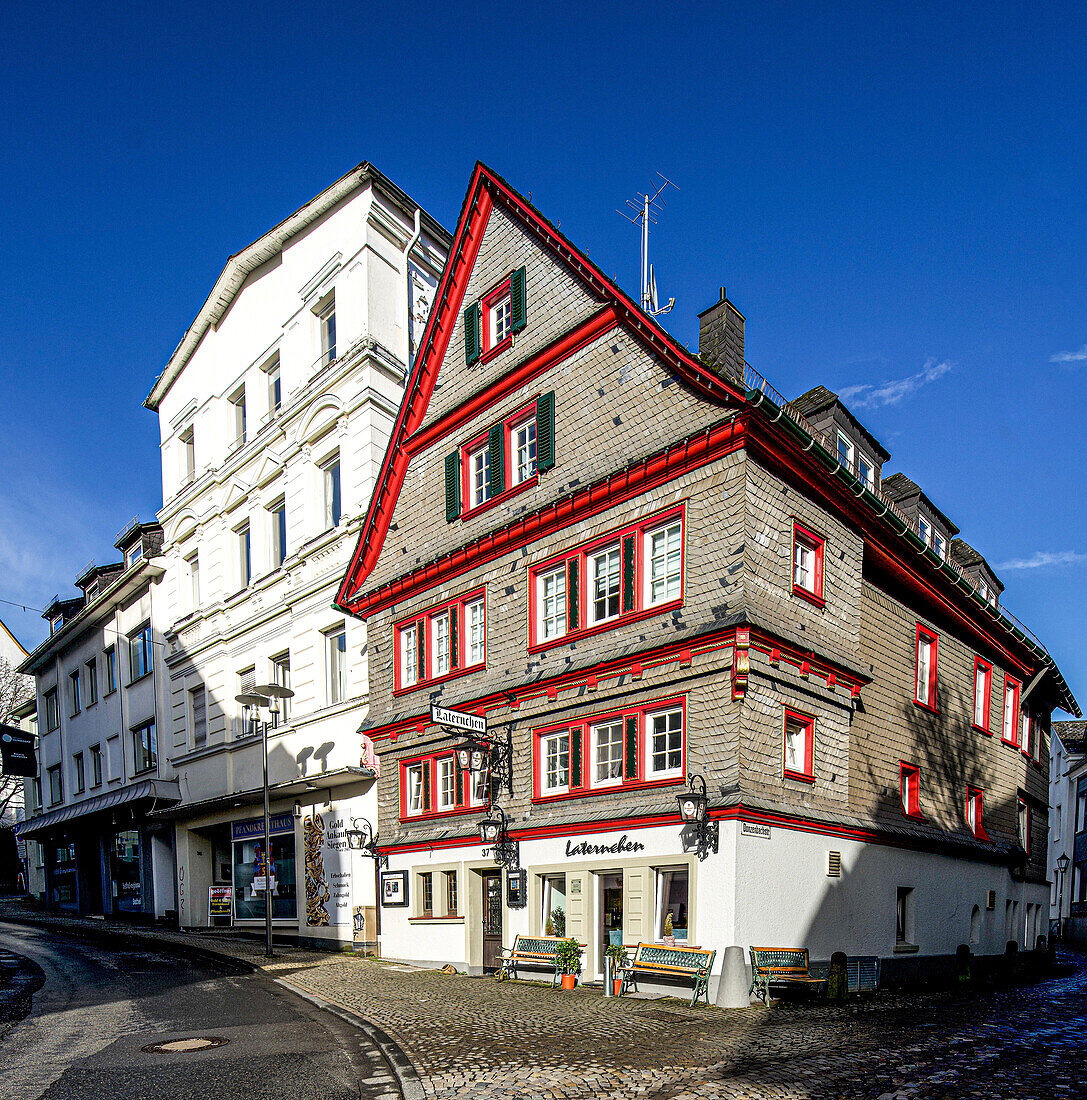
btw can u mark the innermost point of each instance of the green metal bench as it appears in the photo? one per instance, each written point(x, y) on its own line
point(656, 960)
point(781, 966)
point(532, 951)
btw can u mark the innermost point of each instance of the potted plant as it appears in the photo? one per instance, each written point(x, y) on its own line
point(616, 953)
point(668, 937)
point(568, 960)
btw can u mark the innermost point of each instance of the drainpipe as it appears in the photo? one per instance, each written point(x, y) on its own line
point(407, 278)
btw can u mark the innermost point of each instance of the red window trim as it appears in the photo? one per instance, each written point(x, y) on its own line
point(454, 606)
point(1020, 800)
point(430, 761)
point(640, 611)
point(1016, 687)
point(987, 728)
point(976, 794)
point(818, 544)
point(486, 304)
point(913, 809)
point(580, 728)
point(808, 720)
point(519, 416)
point(932, 637)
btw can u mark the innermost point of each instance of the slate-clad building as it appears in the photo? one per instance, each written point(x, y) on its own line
point(641, 565)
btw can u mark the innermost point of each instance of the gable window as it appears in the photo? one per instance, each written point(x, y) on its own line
point(799, 746)
point(491, 323)
point(52, 711)
point(808, 554)
point(92, 681)
point(495, 462)
point(330, 478)
point(73, 693)
point(620, 576)
point(139, 652)
point(444, 641)
point(144, 747)
point(245, 555)
point(96, 765)
point(983, 683)
point(939, 544)
point(631, 748)
point(237, 401)
point(1010, 729)
point(432, 785)
point(975, 806)
point(55, 623)
point(111, 670)
point(278, 516)
point(910, 789)
point(80, 773)
point(926, 668)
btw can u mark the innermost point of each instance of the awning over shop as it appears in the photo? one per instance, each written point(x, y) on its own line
point(155, 790)
point(292, 788)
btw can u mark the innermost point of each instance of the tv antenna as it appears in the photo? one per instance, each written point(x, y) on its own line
point(647, 208)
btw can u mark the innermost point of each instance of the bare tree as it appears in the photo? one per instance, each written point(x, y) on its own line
point(15, 689)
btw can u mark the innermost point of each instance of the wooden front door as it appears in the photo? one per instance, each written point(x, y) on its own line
point(492, 921)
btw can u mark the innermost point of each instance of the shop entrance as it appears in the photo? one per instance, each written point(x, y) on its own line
point(492, 920)
point(611, 912)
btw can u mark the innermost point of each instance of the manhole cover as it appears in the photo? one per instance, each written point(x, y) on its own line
point(185, 1046)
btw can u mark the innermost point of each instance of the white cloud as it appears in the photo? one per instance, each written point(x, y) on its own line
point(1070, 356)
point(891, 392)
point(1042, 559)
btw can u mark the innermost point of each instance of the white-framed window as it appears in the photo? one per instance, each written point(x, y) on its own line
point(330, 479)
point(551, 595)
point(479, 793)
point(140, 655)
point(552, 905)
point(440, 642)
point(245, 555)
point(281, 675)
point(845, 451)
point(924, 529)
point(413, 780)
point(277, 516)
point(926, 667)
point(475, 626)
point(336, 647)
point(673, 896)
point(606, 740)
point(237, 401)
point(983, 682)
point(409, 655)
point(326, 319)
point(447, 782)
point(867, 473)
point(188, 451)
point(500, 319)
point(555, 763)
point(664, 743)
point(192, 567)
point(799, 745)
point(275, 384)
point(135, 554)
point(479, 475)
point(664, 549)
point(523, 437)
point(606, 573)
point(1010, 729)
point(939, 544)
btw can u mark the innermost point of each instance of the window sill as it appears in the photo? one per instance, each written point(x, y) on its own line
point(453, 918)
point(440, 679)
point(145, 771)
point(811, 597)
point(610, 624)
point(506, 494)
point(799, 777)
point(930, 707)
point(615, 788)
point(906, 949)
point(490, 353)
point(914, 815)
point(982, 729)
point(132, 683)
point(1013, 745)
point(431, 815)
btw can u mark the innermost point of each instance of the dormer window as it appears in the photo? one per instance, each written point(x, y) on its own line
point(134, 554)
point(491, 323)
point(924, 529)
point(55, 623)
point(939, 544)
point(92, 591)
point(866, 473)
point(845, 451)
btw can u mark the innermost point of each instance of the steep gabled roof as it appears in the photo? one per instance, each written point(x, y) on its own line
point(899, 487)
point(485, 189)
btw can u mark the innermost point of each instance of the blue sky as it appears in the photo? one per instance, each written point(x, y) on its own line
point(893, 194)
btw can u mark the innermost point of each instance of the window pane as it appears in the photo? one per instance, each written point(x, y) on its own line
point(608, 739)
point(606, 584)
point(474, 618)
point(447, 791)
point(672, 894)
point(409, 645)
point(665, 563)
point(440, 641)
point(524, 439)
point(557, 762)
point(553, 603)
point(501, 320)
point(666, 742)
point(332, 494)
point(480, 466)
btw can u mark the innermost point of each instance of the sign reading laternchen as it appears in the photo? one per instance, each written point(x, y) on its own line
point(458, 719)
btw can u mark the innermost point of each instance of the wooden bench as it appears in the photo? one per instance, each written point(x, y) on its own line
point(781, 966)
point(657, 960)
point(532, 951)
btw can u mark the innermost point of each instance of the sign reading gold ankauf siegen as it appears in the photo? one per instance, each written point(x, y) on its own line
point(328, 870)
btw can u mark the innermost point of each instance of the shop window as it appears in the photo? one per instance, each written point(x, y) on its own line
point(501, 459)
point(124, 861)
point(672, 901)
point(808, 554)
point(799, 746)
point(451, 909)
point(910, 789)
point(1010, 727)
point(250, 868)
point(426, 894)
point(925, 692)
point(631, 748)
point(983, 684)
point(443, 642)
point(619, 577)
point(553, 905)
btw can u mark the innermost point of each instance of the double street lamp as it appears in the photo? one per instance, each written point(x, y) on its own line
point(254, 701)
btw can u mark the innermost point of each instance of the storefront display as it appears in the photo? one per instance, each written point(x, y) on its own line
point(63, 876)
point(251, 866)
point(124, 870)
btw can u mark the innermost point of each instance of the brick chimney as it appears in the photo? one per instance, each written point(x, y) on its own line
point(721, 338)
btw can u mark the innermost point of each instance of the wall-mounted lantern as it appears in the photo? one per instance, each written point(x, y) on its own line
point(693, 806)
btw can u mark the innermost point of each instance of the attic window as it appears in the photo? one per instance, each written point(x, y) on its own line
point(866, 473)
point(92, 590)
point(134, 554)
point(845, 452)
point(55, 623)
point(491, 323)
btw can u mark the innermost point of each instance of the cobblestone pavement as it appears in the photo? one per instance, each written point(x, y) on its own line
point(477, 1038)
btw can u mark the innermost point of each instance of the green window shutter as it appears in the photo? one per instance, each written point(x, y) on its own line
point(518, 300)
point(426, 784)
point(454, 648)
point(575, 757)
point(630, 770)
point(628, 573)
point(461, 779)
point(572, 601)
point(420, 634)
point(452, 486)
point(545, 432)
point(471, 333)
point(496, 461)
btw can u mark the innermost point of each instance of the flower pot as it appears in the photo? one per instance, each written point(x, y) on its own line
point(569, 981)
point(668, 941)
point(617, 986)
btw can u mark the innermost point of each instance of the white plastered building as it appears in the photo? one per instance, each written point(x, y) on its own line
point(274, 414)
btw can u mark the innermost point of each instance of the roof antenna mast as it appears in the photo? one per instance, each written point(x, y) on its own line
point(646, 209)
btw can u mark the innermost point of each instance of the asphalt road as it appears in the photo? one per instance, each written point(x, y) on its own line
point(101, 1006)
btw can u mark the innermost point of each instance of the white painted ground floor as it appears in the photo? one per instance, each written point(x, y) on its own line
point(768, 886)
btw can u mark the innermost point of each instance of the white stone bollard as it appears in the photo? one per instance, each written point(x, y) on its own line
point(733, 991)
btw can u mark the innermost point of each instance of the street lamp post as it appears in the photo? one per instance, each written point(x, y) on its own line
point(1062, 867)
point(253, 701)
